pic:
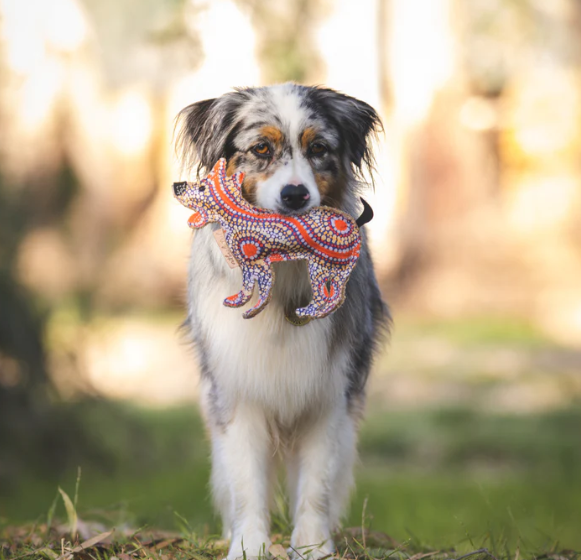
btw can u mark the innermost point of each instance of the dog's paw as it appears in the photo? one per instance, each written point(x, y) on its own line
point(310, 543)
point(250, 547)
point(325, 550)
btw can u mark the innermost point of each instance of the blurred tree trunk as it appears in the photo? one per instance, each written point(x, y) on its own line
point(31, 423)
point(24, 383)
point(448, 171)
point(452, 174)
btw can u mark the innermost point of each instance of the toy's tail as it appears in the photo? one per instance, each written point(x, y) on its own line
point(366, 215)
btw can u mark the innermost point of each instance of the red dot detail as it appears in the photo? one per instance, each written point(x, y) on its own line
point(196, 219)
point(329, 293)
point(249, 250)
point(341, 225)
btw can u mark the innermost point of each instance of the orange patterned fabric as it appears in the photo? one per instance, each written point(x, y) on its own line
point(328, 239)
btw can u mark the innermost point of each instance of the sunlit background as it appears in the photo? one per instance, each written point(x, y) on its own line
point(477, 240)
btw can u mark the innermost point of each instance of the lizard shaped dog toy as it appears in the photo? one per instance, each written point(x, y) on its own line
point(327, 238)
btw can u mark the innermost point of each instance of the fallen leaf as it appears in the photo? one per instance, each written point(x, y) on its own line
point(87, 544)
point(278, 551)
point(220, 543)
point(165, 543)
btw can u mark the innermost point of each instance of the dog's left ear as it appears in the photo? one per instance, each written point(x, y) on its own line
point(356, 120)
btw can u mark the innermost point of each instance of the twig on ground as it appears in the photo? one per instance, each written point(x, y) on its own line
point(479, 551)
point(295, 550)
point(421, 555)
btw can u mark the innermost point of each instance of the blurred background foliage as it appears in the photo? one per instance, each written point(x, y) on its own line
point(474, 426)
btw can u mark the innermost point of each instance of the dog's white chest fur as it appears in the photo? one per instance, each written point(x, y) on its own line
point(283, 368)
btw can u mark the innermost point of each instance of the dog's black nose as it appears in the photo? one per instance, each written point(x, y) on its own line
point(180, 188)
point(294, 196)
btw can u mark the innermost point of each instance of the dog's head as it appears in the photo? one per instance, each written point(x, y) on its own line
point(297, 146)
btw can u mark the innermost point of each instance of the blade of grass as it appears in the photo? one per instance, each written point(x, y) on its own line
point(50, 514)
point(71, 512)
point(77, 484)
point(364, 510)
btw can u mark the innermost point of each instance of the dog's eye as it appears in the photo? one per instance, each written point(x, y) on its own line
point(262, 149)
point(318, 149)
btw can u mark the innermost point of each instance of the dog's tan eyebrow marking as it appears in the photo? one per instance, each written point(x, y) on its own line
point(323, 181)
point(332, 189)
point(273, 134)
point(307, 136)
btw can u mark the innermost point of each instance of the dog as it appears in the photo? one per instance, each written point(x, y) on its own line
point(256, 238)
point(272, 391)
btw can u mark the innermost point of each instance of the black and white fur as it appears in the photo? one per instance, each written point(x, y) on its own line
point(270, 390)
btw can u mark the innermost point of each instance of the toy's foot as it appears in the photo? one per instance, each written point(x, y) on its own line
point(310, 310)
point(253, 311)
point(237, 300)
point(315, 312)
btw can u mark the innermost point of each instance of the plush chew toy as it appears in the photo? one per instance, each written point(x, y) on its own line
point(329, 239)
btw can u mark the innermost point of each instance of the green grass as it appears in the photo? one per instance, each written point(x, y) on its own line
point(54, 543)
point(431, 479)
point(444, 511)
point(459, 439)
point(455, 475)
point(474, 331)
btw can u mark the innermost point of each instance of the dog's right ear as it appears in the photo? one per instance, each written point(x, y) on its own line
point(205, 128)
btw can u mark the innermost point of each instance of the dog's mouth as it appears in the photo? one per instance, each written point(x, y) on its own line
point(285, 211)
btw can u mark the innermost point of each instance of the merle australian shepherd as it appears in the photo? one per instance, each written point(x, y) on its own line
point(273, 390)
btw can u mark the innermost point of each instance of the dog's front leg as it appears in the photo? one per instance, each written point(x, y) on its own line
point(242, 464)
point(324, 472)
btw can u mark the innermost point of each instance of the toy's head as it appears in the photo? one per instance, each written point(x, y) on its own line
point(197, 197)
point(202, 196)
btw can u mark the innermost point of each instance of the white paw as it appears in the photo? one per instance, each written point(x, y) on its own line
point(254, 547)
point(326, 550)
point(311, 543)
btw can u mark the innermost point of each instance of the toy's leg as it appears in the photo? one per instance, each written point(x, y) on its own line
point(328, 293)
point(239, 299)
point(265, 278)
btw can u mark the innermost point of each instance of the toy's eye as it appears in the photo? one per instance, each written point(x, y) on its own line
point(318, 149)
point(202, 188)
point(262, 149)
